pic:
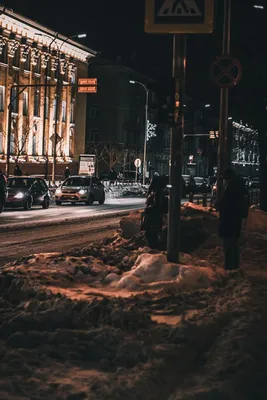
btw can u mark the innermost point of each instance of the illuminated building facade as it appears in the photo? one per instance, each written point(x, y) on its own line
point(31, 54)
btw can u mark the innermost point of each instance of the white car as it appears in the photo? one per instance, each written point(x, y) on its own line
point(80, 189)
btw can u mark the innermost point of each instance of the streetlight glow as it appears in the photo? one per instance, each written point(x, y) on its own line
point(82, 35)
point(259, 7)
point(133, 82)
point(207, 105)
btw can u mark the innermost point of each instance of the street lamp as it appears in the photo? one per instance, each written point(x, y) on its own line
point(258, 6)
point(146, 124)
point(207, 105)
point(53, 40)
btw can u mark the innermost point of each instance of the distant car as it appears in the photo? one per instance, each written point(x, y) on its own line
point(80, 189)
point(190, 183)
point(202, 186)
point(24, 191)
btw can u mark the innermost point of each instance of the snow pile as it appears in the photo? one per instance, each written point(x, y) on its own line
point(130, 225)
point(256, 221)
point(153, 271)
point(124, 190)
point(187, 331)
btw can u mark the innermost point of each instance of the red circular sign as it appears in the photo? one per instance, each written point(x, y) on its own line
point(226, 71)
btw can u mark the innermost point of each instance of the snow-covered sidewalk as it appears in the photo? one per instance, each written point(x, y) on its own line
point(114, 320)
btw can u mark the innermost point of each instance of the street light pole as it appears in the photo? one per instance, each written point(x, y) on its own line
point(146, 125)
point(58, 92)
point(53, 39)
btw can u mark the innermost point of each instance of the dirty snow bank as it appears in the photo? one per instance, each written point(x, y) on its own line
point(67, 333)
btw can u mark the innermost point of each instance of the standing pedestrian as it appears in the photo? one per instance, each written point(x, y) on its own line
point(66, 173)
point(17, 170)
point(155, 210)
point(233, 208)
point(3, 190)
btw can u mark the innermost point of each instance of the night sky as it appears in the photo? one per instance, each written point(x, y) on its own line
point(117, 29)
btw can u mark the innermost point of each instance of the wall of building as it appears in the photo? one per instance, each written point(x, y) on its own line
point(26, 58)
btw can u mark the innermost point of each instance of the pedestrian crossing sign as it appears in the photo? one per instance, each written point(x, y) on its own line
point(179, 16)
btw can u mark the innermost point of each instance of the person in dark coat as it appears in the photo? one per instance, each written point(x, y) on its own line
point(3, 190)
point(112, 176)
point(67, 173)
point(17, 170)
point(155, 210)
point(230, 218)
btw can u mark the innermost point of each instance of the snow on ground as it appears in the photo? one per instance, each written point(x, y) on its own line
point(121, 190)
point(70, 329)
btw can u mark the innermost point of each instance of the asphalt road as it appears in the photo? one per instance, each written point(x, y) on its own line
point(13, 217)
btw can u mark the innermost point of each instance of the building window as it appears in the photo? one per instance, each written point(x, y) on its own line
point(54, 109)
point(25, 103)
point(27, 64)
point(64, 111)
point(34, 140)
point(36, 102)
point(71, 141)
point(1, 142)
point(95, 112)
point(72, 112)
point(73, 78)
point(16, 58)
point(12, 143)
point(95, 135)
point(14, 100)
point(37, 67)
point(46, 105)
point(3, 55)
point(2, 98)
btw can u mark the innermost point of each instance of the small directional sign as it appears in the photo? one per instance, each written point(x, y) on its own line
point(87, 85)
point(179, 16)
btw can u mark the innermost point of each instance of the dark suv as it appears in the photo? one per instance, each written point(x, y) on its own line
point(24, 191)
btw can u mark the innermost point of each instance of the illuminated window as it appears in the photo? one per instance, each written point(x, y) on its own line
point(72, 113)
point(64, 111)
point(36, 102)
point(25, 103)
point(1, 141)
point(14, 99)
point(2, 98)
point(46, 107)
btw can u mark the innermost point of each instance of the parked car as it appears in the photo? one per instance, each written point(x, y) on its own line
point(202, 185)
point(80, 189)
point(190, 183)
point(25, 191)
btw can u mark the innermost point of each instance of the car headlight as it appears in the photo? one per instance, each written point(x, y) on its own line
point(58, 191)
point(19, 195)
point(82, 191)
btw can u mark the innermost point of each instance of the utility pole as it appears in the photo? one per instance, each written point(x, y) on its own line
point(145, 143)
point(223, 159)
point(177, 133)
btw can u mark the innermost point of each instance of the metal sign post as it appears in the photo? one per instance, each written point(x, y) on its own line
point(177, 132)
point(137, 164)
point(178, 17)
point(224, 103)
